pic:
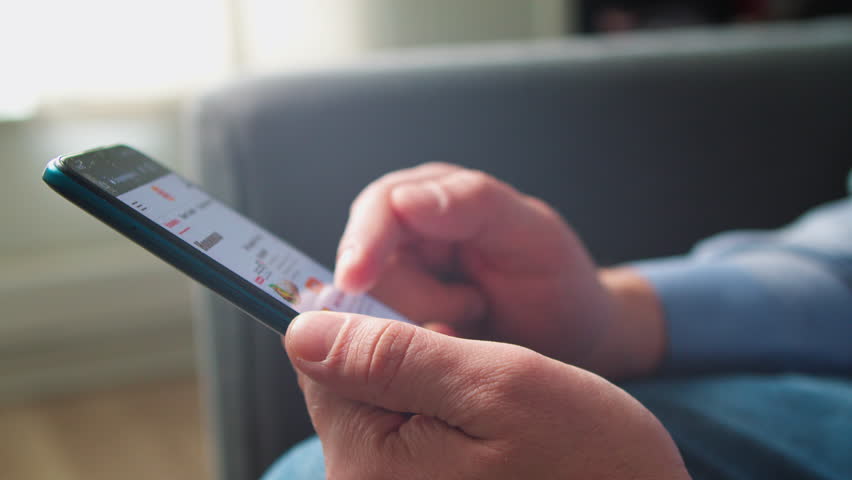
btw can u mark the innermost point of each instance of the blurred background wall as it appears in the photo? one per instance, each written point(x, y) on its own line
point(83, 308)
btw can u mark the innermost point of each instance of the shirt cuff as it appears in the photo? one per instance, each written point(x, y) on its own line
point(717, 315)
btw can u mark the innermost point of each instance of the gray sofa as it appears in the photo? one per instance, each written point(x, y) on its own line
point(645, 143)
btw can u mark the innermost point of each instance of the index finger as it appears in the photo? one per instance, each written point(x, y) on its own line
point(373, 231)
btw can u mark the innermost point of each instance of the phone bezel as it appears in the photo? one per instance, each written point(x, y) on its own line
point(164, 245)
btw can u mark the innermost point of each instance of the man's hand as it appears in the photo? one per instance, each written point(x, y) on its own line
point(447, 244)
point(392, 400)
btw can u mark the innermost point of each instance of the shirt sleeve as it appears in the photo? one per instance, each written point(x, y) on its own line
point(762, 301)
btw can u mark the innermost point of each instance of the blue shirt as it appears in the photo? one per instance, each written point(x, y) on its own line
point(762, 300)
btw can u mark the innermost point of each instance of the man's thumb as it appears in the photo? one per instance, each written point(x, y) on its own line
point(404, 368)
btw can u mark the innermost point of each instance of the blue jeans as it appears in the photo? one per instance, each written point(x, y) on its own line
point(732, 427)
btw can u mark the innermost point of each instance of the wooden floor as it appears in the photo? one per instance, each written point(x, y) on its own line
point(143, 432)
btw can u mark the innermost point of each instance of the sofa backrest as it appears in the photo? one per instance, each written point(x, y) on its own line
point(646, 144)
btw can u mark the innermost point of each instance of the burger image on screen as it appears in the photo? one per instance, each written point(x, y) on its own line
point(287, 289)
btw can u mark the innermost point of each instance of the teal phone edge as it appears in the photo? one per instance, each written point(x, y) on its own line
point(143, 232)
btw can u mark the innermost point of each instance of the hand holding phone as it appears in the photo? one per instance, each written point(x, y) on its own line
point(212, 243)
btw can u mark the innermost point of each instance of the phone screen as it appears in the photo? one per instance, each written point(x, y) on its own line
point(189, 215)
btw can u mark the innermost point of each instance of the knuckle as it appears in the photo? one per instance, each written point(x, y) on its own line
point(467, 186)
point(474, 180)
point(378, 189)
point(397, 177)
point(513, 382)
point(475, 186)
point(384, 183)
point(374, 356)
point(437, 166)
point(392, 346)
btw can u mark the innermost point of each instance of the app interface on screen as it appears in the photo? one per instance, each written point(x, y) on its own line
point(245, 248)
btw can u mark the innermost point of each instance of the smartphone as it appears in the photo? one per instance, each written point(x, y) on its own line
point(177, 221)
